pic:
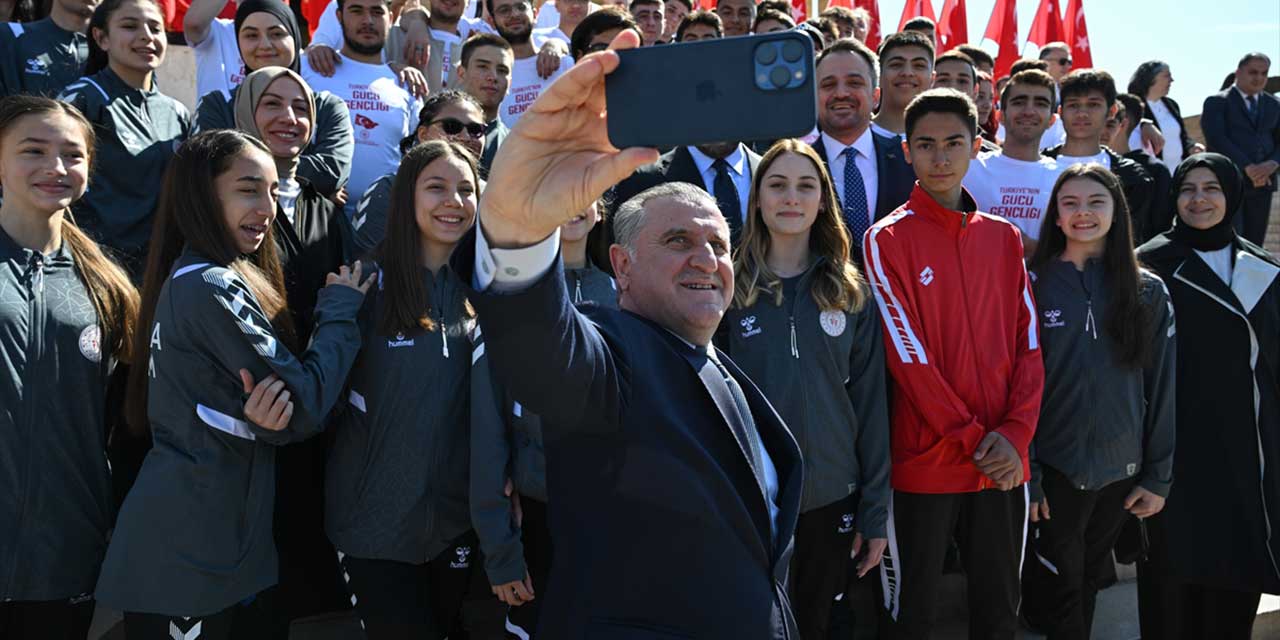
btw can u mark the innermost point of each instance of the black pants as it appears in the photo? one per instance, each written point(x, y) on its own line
point(446, 597)
point(1255, 213)
point(535, 536)
point(824, 538)
point(67, 619)
point(991, 533)
point(1068, 552)
point(1169, 610)
point(238, 622)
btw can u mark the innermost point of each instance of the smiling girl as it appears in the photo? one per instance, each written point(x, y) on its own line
point(1103, 448)
point(66, 316)
point(138, 127)
point(803, 327)
point(193, 544)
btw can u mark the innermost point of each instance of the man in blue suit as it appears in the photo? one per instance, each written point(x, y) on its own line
point(1243, 123)
point(878, 179)
point(673, 486)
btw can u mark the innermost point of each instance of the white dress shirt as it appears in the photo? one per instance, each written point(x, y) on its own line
point(738, 170)
point(511, 270)
point(866, 161)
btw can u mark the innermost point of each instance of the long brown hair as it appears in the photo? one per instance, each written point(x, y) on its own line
point(1128, 320)
point(190, 215)
point(400, 253)
point(837, 286)
point(115, 300)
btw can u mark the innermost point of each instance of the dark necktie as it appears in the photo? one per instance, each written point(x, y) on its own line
point(1253, 109)
point(856, 216)
point(726, 194)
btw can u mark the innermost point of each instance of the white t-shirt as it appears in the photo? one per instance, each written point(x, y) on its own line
point(548, 16)
point(466, 26)
point(218, 63)
point(1101, 158)
point(1016, 190)
point(290, 189)
point(526, 86)
point(382, 114)
point(1171, 156)
point(1052, 137)
point(540, 37)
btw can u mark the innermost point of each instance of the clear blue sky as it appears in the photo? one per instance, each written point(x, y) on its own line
point(1200, 39)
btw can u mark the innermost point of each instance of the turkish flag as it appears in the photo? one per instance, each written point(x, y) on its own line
point(799, 10)
point(1002, 30)
point(1047, 25)
point(1076, 35)
point(953, 26)
point(913, 9)
point(873, 8)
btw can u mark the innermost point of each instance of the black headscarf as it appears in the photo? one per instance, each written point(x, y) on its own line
point(1221, 234)
point(284, 14)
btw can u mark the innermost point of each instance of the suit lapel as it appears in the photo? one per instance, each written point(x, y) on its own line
point(683, 169)
point(782, 449)
point(1234, 98)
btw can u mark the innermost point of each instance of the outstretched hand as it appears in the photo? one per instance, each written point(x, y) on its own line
point(558, 159)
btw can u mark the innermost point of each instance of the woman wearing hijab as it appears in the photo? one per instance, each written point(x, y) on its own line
point(266, 34)
point(1212, 550)
point(276, 106)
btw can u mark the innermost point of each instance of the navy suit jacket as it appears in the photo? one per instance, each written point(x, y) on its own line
point(660, 528)
point(1228, 129)
point(894, 177)
point(676, 165)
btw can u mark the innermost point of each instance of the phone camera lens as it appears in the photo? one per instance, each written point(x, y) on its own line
point(779, 76)
point(792, 51)
point(766, 53)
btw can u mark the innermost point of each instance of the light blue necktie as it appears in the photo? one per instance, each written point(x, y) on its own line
point(856, 217)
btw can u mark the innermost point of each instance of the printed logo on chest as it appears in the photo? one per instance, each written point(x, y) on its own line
point(399, 341)
point(91, 343)
point(1053, 318)
point(926, 276)
point(833, 322)
point(749, 327)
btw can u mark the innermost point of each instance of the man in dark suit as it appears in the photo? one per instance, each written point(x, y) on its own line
point(673, 486)
point(1243, 123)
point(878, 180)
point(723, 170)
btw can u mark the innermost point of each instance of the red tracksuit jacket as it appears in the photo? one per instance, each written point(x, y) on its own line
point(960, 340)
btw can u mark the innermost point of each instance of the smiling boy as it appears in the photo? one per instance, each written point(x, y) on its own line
point(964, 359)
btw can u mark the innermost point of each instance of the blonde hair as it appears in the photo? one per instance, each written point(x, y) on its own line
point(838, 285)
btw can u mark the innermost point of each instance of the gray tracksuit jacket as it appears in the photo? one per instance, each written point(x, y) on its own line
point(138, 132)
point(55, 487)
point(824, 373)
point(40, 58)
point(325, 163)
point(506, 442)
point(1100, 422)
point(396, 481)
point(194, 535)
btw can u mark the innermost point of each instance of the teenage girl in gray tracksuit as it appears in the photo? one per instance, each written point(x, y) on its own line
point(65, 310)
point(193, 543)
point(1103, 448)
point(804, 328)
point(507, 457)
point(396, 502)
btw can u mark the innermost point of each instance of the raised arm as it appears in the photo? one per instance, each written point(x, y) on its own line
point(195, 24)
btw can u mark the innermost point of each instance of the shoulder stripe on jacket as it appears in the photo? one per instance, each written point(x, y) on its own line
point(16, 28)
point(1033, 339)
point(904, 338)
point(223, 422)
point(82, 83)
point(188, 269)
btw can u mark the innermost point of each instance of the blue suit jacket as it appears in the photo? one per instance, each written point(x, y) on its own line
point(660, 528)
point(894, 177)
point(1229, 131)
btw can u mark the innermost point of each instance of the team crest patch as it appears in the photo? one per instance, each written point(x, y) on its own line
point(832, 322)
point(91, 343)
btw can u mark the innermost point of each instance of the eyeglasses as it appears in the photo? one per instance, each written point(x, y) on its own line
point(454, 126)
point(1063, 62)
point(597, 47)
point(506, 10)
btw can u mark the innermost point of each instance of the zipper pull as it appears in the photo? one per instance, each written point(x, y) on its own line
point(444, 336)
point(795, 351)
point(1091, 325)
point(577, 290)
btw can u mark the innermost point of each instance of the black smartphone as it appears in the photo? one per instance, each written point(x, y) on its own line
point(723, 90)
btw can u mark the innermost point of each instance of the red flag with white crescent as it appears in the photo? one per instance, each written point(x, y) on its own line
point(953, 26)
point(1077, 35)
point(914, 9)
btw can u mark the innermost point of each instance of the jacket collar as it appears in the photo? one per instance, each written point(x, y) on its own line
point(922, 204)
point(115, 86)
point(11, 250)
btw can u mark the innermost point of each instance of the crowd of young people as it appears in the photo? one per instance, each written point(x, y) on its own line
point(963, 308)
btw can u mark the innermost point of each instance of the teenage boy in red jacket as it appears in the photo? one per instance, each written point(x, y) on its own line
point(964, 358)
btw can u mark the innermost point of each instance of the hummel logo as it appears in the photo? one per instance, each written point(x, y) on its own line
point(926, 276)
point(1053, 318)
point(749, 327)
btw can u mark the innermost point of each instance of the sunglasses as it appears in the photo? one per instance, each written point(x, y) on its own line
point(454, 126)
point(1064, 62)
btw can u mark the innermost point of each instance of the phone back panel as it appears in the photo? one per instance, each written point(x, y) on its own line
point(708, 91)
